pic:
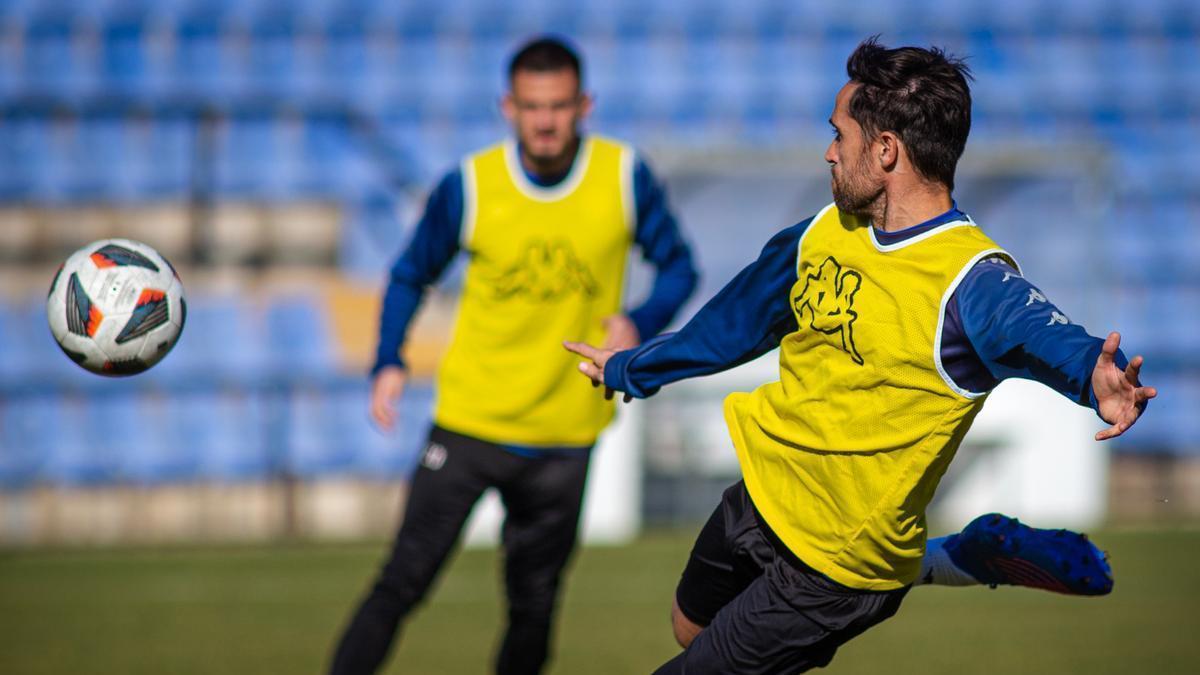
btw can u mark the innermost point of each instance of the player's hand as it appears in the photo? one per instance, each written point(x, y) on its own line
point(594, 370)
point(620, 333)
point(386, 389)
point(1120, 396)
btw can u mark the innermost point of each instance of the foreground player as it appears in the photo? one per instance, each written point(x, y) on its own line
point(895, 315)
point(548, 223)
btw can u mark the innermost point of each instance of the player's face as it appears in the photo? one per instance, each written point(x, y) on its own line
point(545, 109)
point(855, 183)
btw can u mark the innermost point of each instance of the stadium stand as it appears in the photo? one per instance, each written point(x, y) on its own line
point(260, 104)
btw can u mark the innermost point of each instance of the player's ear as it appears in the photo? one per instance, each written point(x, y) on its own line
point(887, 149)
point(586, 102)
point(508, 107)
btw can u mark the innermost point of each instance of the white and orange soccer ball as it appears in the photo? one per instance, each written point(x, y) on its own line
point(116, 307)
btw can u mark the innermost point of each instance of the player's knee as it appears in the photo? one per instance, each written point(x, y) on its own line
point(684, 628)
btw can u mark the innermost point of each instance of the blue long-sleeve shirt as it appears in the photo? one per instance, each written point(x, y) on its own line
point(436, 241)
point(997, 325)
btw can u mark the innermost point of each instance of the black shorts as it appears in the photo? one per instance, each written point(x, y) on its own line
point(764, 610)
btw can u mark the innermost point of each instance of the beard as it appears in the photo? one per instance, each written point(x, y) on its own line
point(854, 192)
point(552, 154)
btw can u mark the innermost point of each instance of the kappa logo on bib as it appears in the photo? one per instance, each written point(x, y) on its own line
point(828, 302)
point(546, 271)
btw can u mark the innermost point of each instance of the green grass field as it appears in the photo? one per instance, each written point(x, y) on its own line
point(278, 610)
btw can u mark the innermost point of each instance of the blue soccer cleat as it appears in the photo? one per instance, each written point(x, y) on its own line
point(997, 549)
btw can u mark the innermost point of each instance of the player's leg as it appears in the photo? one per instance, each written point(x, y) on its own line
point(995, 549)
point(542, 503)
point(452, 476)
point(723, 563)
point(787, 618)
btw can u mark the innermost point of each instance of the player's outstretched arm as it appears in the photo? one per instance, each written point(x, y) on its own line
point(621, 332)
point(1120, 397)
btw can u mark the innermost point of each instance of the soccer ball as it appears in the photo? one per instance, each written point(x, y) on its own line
point(116, 307)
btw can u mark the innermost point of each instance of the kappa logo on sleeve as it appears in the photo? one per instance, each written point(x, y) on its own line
point(828, 302)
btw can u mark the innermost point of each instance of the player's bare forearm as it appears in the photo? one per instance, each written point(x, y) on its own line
point(620, 333)
point(386, 389)
point(1120, 396)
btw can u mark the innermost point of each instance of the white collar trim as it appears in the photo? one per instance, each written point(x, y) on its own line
point(551, 193)
point(964, 222)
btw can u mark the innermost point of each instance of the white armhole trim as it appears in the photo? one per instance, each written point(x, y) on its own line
point(627, 163)
point(937, 337)
point(800, 244)
point(470, 204)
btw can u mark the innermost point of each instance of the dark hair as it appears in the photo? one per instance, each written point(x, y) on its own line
point(545, 54)
point(921, 95)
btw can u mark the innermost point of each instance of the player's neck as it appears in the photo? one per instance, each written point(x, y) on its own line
point(916, 204)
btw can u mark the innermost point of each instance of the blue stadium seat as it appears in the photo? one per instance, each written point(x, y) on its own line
point(1173, 228)
point(246, 154)
point(32, 170)
point(371, 452)
point(100, 156)
point(224, 433)
point(352, 66)
point(330, 434)
point(147, 453)
point(276, 62)
point(1137, 70)
point(127, 68)
point(1069, 82)
point(223, 339)
point(28, 426)
point(795, 78)
point(394, 454)
point(420, 22)
point(203, 65)
point(1170, 423)
point(15, 181)
point(372, 236)
point(12, 342)
point(299, 336)
point(318, 438)
point(87, 435)
point(30, 349)
point(325, 150)
point(53, 59)
point(165, 158)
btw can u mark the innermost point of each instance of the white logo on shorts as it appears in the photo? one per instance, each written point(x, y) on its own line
point(435, 456)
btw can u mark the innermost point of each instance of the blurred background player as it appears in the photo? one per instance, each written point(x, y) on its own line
point(547, 221)
point(895, 316)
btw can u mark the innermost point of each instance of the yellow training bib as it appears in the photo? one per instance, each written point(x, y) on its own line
point(842, 455)
point(546, 264)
